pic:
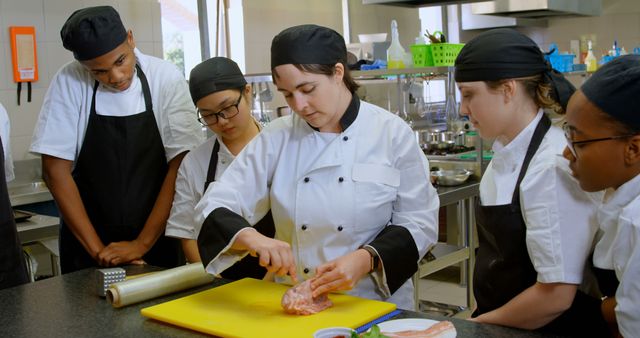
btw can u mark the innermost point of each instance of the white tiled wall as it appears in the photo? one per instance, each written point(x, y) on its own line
point(48, 16)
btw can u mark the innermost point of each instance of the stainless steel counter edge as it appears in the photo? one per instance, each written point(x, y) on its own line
point(450, 195)
point(27, 192)
point(38, 227)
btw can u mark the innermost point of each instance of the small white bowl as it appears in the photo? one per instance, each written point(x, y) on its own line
point(333, 332)
point(377, 37)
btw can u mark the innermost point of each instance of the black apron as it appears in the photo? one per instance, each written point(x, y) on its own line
point(119, 173)
point(249, 266)
point(13, 270)
point(503, 268)
point(607, 281)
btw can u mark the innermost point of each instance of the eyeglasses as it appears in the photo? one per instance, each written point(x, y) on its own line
point(568, 134)
point(227, 113)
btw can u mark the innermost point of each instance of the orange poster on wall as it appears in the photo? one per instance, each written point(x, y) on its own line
point(23, 54)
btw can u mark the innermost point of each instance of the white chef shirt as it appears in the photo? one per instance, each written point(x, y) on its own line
point(296, 172)
point(5, 136)
point(190, 186)
point(619, 249)
point(64, 116)
point(559, 216)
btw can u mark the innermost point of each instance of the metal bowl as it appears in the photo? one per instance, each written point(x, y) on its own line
point(450, 178)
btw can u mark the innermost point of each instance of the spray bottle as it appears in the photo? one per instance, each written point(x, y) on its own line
point(395, 53)
point(590, 60)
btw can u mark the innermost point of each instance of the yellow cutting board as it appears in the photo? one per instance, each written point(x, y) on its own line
point(250, 308)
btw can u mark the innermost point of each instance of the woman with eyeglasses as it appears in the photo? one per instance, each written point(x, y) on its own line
point(603, 133)
point(222, 97)
point(346, 182)
point(535, 224)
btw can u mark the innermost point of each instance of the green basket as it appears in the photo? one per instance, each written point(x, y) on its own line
point(445, 54)
point(421, 55)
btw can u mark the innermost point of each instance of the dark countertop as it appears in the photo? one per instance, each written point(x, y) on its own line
point(68, 306)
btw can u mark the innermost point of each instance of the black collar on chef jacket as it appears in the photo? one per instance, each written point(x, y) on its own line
point(349, 115)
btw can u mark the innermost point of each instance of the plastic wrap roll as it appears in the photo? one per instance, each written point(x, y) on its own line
point(157, 284)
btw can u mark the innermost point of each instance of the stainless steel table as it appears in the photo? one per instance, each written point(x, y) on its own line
point(443, 254)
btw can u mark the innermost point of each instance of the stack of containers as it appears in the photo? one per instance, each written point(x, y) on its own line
point(560, 62)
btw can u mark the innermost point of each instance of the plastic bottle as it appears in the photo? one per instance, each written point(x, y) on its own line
point(395, 53)
point(590, 60)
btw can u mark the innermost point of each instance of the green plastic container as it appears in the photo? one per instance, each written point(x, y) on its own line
point(445, 54)
point(421, 55)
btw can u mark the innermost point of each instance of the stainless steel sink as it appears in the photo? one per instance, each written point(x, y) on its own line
point(26, 193)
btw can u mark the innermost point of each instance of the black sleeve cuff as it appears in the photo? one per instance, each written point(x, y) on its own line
point(398, 253)
point(217, 231)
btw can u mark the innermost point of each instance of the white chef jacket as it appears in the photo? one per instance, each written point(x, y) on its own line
point(619, 249)
point(559, 216)
point(296, 172)
point(5, 136)
point(64, 116)
point(190, 186)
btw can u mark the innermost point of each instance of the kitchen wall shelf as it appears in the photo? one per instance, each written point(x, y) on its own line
point(425, 71)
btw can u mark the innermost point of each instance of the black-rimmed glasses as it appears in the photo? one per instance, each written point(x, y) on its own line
point(568, 134)
point(208, 118)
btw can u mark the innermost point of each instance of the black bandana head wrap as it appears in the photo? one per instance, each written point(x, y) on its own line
point(504, 53)
point(214, 75)
point(308, 44)
point(92, 32)
point(615, 89)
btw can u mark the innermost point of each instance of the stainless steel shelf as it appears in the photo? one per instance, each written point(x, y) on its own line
point(431, 71)
point(259, 77)
point(446, 255)
point(21, 193)
point(37, 228)
point(450, 195)
point(443, 254)
point(361, 74)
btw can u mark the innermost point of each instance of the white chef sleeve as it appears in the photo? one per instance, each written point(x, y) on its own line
point(560, 220)
point(181, 131)
point(180, 223)
point(56, 131)
point(628, 292)
point(242, 189)
point(5, 136)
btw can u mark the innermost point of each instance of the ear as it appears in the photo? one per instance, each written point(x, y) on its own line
point(509, 88)
point(632, 151)
point(130, 40)
point(339, 72)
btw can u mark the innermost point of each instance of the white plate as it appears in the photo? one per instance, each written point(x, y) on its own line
point(406, 324)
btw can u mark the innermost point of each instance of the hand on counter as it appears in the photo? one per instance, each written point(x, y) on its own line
point(342, 273)
point(125, 252)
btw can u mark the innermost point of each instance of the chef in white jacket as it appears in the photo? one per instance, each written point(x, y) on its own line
point(346, 183)
point(223, 98)
point(114, 126)
point(603, 134)
point(13, 271)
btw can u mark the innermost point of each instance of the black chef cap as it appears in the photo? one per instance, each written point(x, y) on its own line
point(615, 89)
point(308, 44)
point(93, 31)
point(504, 53)
point(214, 75)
